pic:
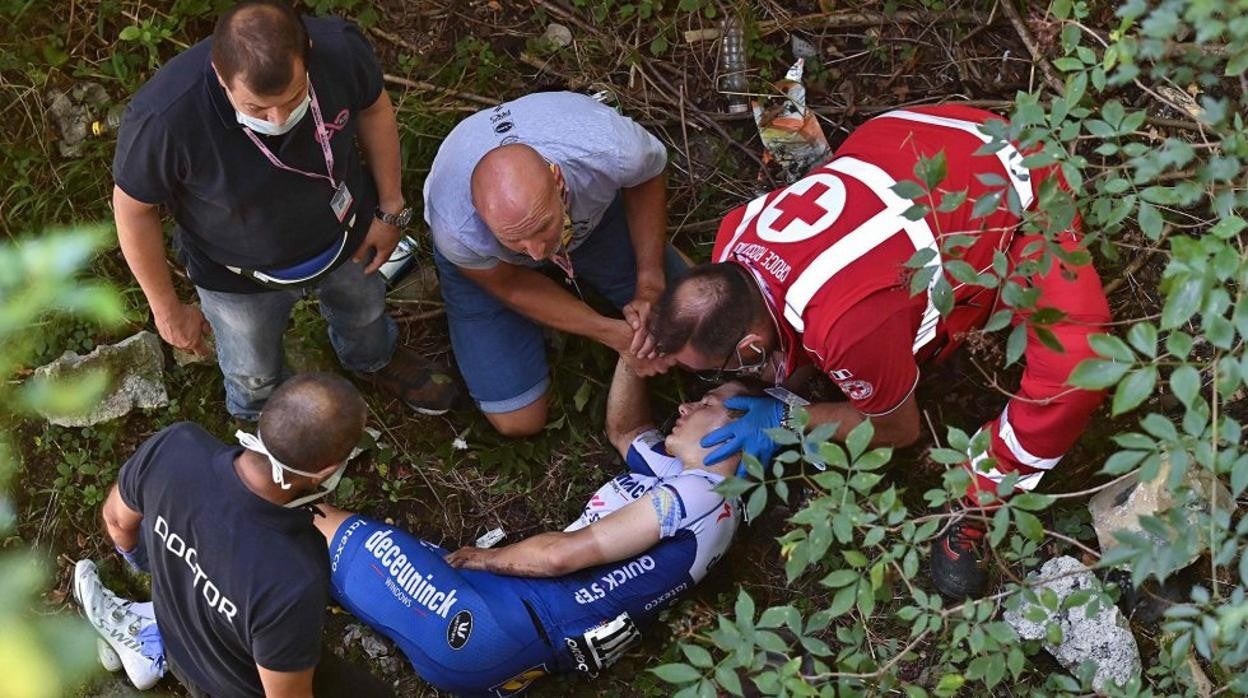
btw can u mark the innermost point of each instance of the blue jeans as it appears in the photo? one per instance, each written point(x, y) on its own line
point(248, 329)
point(501, 353)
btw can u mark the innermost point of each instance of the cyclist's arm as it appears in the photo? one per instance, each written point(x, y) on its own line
point(620, 535)
point(628, 408)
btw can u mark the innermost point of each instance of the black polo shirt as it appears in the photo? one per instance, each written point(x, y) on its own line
point(236, 579)
point(181, 146)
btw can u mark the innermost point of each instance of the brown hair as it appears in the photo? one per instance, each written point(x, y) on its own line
point(258, 42)
point(710, 309)
point(313, 421)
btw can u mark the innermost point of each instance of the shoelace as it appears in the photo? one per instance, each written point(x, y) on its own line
point(965, 535)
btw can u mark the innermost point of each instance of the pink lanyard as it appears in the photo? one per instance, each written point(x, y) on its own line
point(321, 136)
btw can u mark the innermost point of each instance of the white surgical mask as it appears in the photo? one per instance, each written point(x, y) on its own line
point(255, 443)
point(268, 128)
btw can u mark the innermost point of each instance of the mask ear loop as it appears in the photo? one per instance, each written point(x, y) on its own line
point(255, 443)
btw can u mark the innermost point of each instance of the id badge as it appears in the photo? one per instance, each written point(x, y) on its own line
point(784, 395)
point(341, 202)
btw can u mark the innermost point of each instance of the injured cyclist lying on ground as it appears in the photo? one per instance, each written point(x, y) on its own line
point(489, 621)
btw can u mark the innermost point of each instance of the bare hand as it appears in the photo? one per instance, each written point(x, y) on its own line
point(645, 368)
point(184, 327)
point(637, 315)
point(469, 558)
point(382, 238)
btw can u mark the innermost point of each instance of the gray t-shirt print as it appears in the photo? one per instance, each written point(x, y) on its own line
point(598, 150)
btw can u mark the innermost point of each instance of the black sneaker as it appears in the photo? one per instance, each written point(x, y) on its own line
point(421, 385)
point(956, 557)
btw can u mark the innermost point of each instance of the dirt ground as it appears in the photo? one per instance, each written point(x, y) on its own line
point(450, 479)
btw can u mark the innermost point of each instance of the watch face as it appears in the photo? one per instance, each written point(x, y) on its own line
point(404, 217)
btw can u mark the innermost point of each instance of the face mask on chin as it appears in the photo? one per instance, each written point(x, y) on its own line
point(253, 442)
point(268, 128)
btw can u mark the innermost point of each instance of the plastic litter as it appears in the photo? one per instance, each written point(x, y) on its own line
point(793, 139)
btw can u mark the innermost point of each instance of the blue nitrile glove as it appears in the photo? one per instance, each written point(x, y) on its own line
point(136, 558)
point(746, 433)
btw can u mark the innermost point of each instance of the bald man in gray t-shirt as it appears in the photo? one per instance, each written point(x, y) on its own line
point(550, 181)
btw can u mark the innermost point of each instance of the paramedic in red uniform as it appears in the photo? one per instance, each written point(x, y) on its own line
point(815, 274)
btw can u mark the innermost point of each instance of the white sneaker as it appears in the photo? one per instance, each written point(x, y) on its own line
point(119, 623)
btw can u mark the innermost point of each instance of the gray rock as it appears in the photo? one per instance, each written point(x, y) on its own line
point(557, 35)
point(1104, 637)
point(803, 48)
point(379, 651)
point(1119, 508)
point(73, 112)
point(135, 367)
point(185, 358)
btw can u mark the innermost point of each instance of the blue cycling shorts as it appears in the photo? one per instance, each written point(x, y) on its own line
point(465, 632)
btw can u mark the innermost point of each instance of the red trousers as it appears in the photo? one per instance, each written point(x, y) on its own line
point(1045, 418)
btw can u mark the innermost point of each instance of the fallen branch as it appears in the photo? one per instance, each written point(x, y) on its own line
point(840, 20)
point(1050, 76)
point(422, 85)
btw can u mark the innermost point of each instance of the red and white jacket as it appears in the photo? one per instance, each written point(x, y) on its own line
point(829, 251)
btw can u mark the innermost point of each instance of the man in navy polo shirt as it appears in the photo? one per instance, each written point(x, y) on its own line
point(247, 139)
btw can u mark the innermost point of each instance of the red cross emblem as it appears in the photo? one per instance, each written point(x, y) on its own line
point(804, 207)
point(804, 210)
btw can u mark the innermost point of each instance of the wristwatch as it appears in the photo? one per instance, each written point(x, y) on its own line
point(400, 219)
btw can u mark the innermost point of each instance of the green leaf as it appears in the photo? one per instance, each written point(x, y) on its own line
point(1182, 303)
point(1032, 501)
point(1237, 64)
point(839, 578)
point(659, 46)
point(1185, 384)
point(1134, 389)
point(1143, 336)
point(859, 438)
point(932, 171)
point(854, 558)
point(1029, 525)
point(908, 189)
point(998, 320)
point(1228, 227)
point(842, 602)
point(697, 656)
point(1150, 220)
point(1016, 344)
point(952, 201)
point(1068, 64)
point(986, 204)
point(744, 608)
point(1096, 374)
point(1111, 347)
point(728, 680)
point(582, 396)
point(676, 673)
point(1122, 461)
point(949, 685)
point(756, 503)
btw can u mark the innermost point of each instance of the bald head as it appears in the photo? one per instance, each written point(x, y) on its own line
point(517, 195)
point(313, 421)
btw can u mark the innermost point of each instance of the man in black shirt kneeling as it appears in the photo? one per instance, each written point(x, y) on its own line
point(239, 571)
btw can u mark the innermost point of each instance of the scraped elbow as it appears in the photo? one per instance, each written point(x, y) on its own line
point(560, 560)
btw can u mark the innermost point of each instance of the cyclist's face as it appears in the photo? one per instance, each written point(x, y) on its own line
point(697, 419)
